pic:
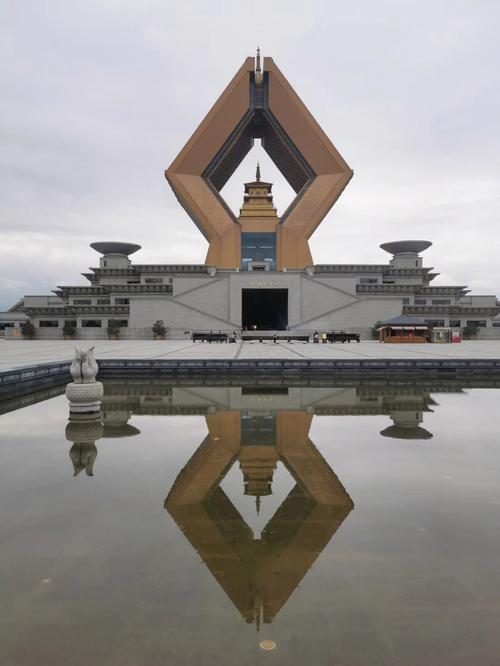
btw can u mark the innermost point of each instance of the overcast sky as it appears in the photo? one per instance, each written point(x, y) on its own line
point(98, 97)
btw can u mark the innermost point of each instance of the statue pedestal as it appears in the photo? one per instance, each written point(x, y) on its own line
point(84, 398)
point(83, 430)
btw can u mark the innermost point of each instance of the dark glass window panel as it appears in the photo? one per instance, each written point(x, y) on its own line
point(258, 247)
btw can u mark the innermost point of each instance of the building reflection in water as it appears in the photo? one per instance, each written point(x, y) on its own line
point(258, 575)
point(405, 405)
point(254, 427)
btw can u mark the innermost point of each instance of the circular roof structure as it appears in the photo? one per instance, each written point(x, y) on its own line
point(400, 432)
point(112, 247)
point(121, 430)
point(406, 246)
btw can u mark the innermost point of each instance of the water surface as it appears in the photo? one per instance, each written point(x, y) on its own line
point(355, 525)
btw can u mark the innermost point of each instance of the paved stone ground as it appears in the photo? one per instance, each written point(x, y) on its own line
point(20, 353)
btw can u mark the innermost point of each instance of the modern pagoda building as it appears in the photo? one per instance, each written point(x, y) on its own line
point(259, 272)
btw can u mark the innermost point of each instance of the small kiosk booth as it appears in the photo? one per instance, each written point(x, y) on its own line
point(444, 334)
point(404, 329)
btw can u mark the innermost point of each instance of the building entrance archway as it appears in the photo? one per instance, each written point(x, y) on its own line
point(265, 309)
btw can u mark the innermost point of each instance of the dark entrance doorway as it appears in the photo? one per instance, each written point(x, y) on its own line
point(265, 308)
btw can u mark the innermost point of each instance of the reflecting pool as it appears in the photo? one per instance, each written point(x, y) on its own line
point(354, 524)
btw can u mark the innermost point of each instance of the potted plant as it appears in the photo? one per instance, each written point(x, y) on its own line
point(27, 330)
point(374, 330)
point(69, 330)
point(469, 332)
point(113, 329)
point(159, 330)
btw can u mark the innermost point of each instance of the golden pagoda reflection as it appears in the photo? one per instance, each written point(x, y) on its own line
point(258, 575)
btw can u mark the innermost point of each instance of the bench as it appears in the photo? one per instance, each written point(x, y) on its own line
point(342, 337)
point(299, 337)
point(209, 337)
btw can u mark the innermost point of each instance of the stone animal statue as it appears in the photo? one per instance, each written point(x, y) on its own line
point(84, 368)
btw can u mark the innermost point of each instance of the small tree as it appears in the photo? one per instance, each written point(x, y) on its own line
point(27, 329)
point(374, 331)
point(469, 331)
point(69, 328)
point(113, 328)
point(159, 329)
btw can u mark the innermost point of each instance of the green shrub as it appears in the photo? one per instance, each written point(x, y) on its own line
point(469, 331)
point(27, 329)
point(374, 330)
point(113, 327)
point(159, 328)
point(69, 328)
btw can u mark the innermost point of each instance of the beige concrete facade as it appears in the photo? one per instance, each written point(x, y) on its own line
point(288, 131)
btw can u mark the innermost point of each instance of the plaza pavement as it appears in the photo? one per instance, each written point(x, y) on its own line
point(22, 353)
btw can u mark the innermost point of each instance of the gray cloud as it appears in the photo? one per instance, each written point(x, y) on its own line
point(98, 97)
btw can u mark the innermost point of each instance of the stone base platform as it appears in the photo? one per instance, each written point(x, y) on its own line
point(39, 363)
point(22, 353)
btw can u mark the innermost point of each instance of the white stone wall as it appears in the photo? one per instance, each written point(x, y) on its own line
point(358, 316)
point(42, 301)
point(203, 308)
point(479, 301)
point(86, 333)
point(492, 333)
point(215, 303)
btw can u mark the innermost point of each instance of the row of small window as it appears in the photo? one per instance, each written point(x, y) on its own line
point(423, 301)
point(86, 323)
point(100, 301)
point(158, 280)
point(457, 323)
point(97, 323)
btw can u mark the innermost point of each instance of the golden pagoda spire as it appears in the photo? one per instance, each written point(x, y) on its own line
point(258, 200)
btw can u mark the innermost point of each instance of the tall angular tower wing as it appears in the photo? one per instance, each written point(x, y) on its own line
point(259, 105)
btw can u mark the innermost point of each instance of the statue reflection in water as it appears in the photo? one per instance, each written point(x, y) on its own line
point(84, 433)
point(85, 429)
